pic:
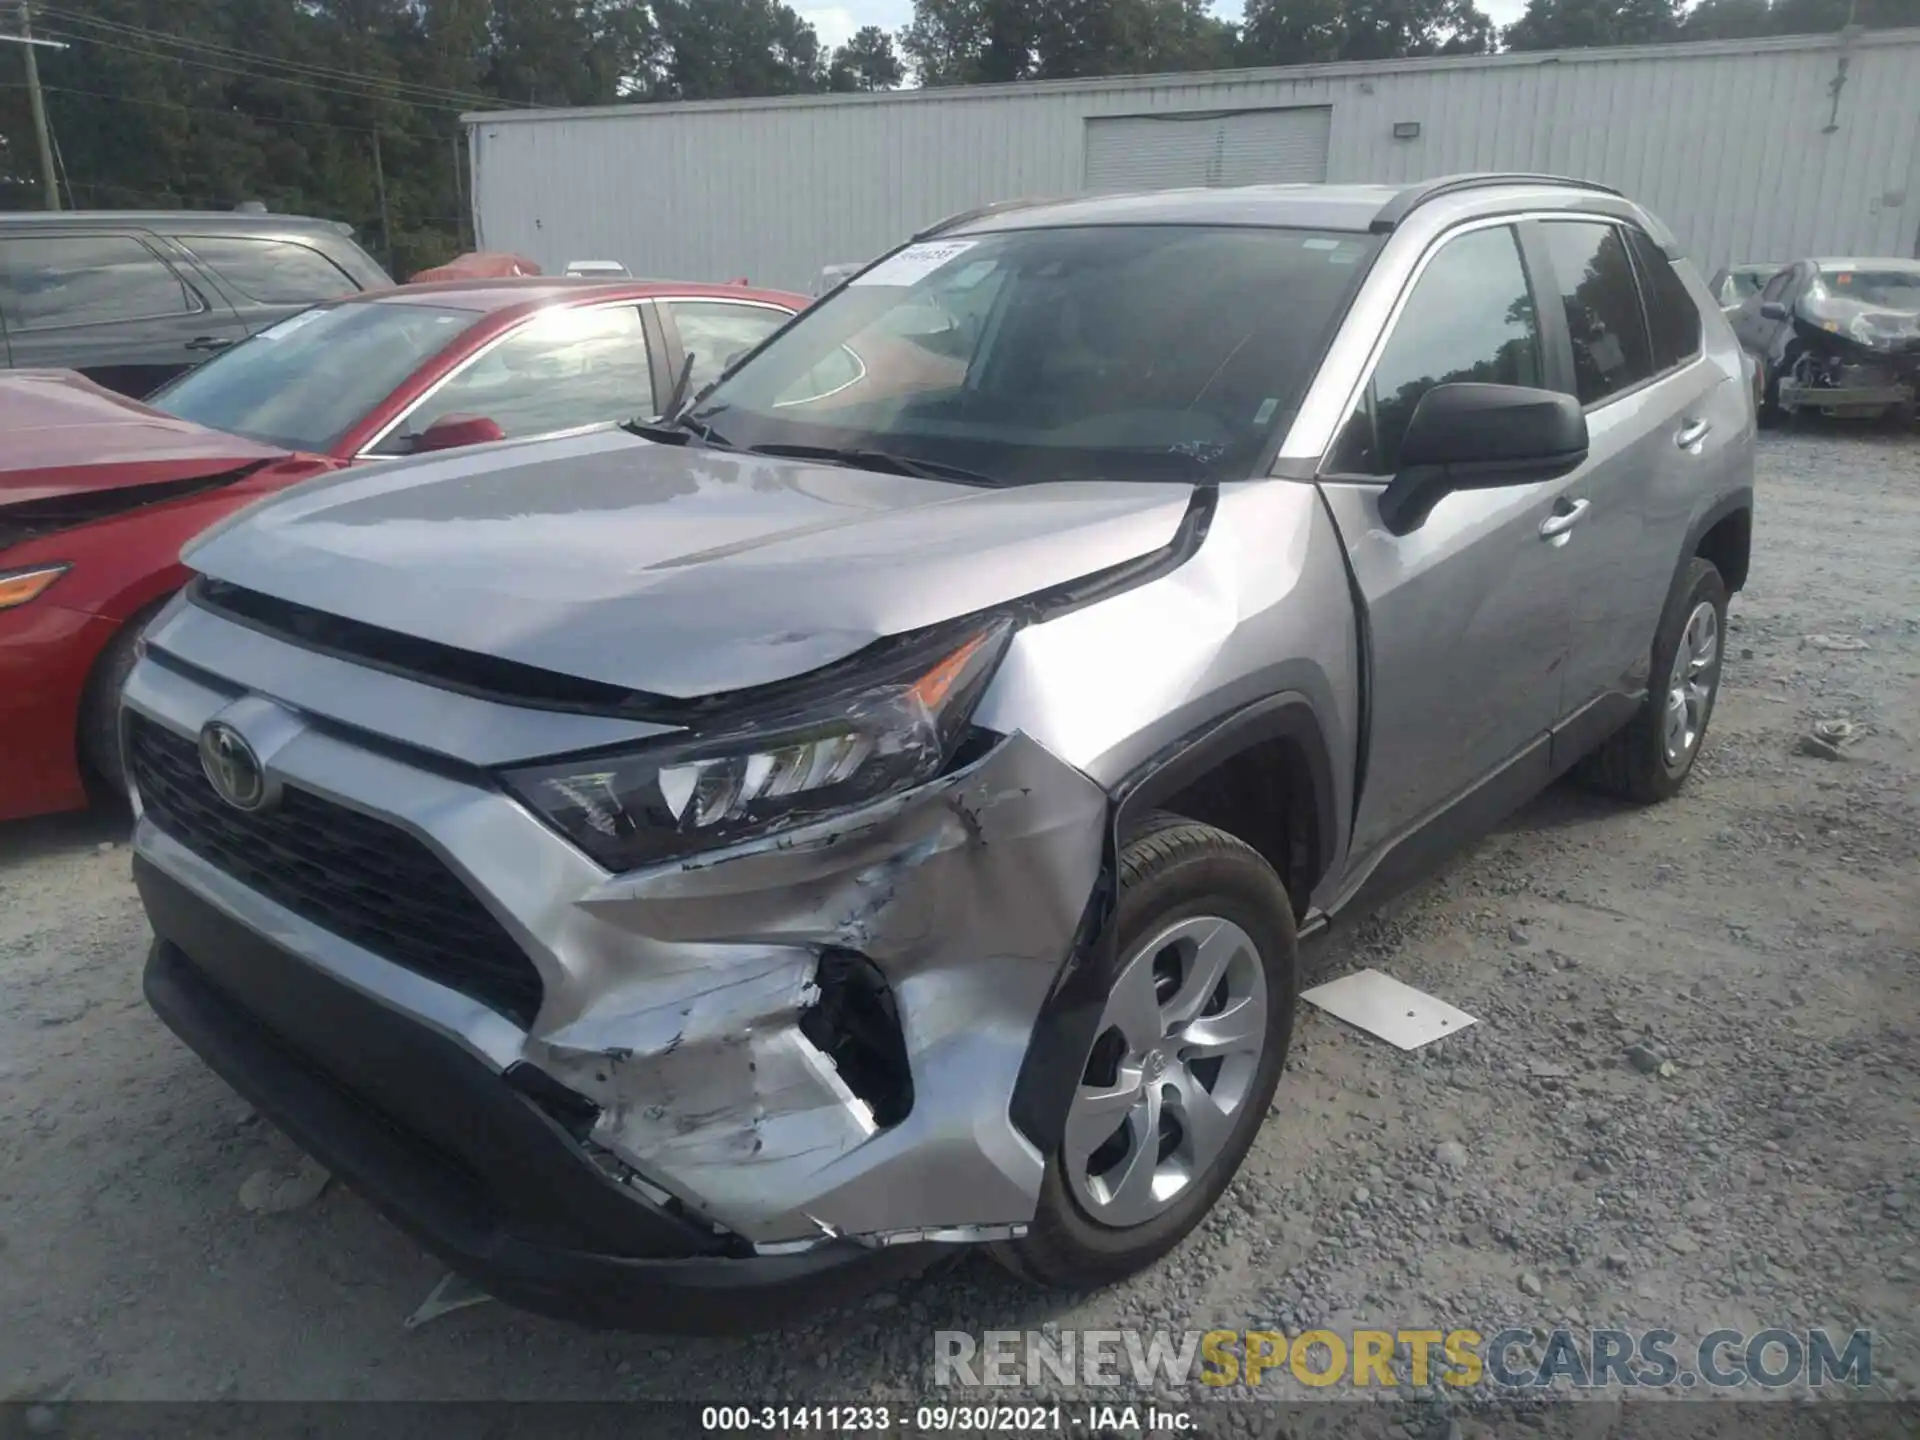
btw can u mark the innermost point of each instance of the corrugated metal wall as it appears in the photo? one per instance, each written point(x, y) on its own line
point(1747, 150)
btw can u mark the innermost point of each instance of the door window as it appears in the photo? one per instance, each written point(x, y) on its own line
point(50, 282)
point(714, 332)
point(274, 272)
point(1470, 317)
point(1608, 329)
point(563, 368)
point(1671, 314)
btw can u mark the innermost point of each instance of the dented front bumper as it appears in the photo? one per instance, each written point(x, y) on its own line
point(679, 1050)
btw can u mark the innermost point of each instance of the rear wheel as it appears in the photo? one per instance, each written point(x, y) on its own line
point(1184, 1064)
point(1651, 758)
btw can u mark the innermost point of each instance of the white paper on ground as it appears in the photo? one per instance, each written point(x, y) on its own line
point(914, 262)
point(1381, 1005)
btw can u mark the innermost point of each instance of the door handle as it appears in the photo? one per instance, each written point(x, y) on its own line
point(209, 342)
point(1556, 526)
point(1692, 433)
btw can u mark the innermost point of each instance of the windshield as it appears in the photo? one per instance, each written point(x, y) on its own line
point(1112, 352)
point(1889, 289)
point(304, 383)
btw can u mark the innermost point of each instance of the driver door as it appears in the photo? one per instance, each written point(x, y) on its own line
point(1469, 614)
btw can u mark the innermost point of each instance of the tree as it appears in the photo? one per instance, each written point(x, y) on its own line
point(867, 61)
point(716, 49)
point(1728, 20)
point(1300, 32)
point(1569, 24)
point(959, 42)
point(970, 42)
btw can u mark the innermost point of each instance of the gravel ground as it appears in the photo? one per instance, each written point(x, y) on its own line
point(1750, 1164)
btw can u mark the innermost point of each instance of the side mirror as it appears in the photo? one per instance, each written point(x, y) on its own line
point(451, 432)
point(1773, 310)
point(1481, 437)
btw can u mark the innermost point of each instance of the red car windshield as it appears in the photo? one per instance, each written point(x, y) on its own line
point(304, 383)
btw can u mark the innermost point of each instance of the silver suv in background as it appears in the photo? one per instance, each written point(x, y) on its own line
point(687, 873)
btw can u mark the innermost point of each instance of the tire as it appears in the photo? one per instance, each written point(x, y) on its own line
point(1636, 763)
point(1174, 873)
point(99, 723)
point(1768, 413)
point(1765, 403)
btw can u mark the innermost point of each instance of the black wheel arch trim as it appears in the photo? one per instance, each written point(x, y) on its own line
point(1732, 503)
point(1057, 1047)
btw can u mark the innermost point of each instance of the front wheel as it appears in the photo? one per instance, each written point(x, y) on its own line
point(1187, 1054)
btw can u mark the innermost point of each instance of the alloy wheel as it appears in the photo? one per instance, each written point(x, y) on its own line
point(1690, 686)
point(1177, 1051)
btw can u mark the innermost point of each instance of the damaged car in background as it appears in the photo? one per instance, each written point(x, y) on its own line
point(98, 492)
point(691, 872)
point(1840, 337)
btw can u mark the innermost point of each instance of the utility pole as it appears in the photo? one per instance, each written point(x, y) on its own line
point(49, 182)
point(459, 195)
point(380, 185)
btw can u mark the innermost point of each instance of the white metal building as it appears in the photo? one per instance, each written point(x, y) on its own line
point(1759, 149)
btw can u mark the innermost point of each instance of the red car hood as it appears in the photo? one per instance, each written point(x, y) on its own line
point(60, 434)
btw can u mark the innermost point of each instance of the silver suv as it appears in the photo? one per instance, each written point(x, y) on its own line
point(688, 873)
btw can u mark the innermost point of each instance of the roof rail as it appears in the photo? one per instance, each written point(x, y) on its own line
point(979, 212)
point(1414, 196)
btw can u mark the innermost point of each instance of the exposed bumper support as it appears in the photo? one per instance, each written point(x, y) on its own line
point(516, 1206)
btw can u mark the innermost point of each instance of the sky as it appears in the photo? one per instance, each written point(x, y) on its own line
point(836, 22)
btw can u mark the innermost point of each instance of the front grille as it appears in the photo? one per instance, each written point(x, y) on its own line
point(360, 878)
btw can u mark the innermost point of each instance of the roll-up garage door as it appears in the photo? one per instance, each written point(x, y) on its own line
point(1246, 147)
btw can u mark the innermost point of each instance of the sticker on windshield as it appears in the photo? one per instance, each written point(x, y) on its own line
point(1319, 244)
point(292, 323)
point(916, 262)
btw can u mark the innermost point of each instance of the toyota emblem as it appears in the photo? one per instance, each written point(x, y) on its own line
point(231, 766)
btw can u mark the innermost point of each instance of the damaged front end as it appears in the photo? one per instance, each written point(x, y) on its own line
point(782, 978)
point(1855, 347)
point(818, 1035)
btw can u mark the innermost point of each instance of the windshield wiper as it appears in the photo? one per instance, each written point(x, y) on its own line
point(884, 461)
point(677, 432)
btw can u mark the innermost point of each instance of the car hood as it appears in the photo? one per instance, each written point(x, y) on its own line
point(61, 435)
point(680, 572)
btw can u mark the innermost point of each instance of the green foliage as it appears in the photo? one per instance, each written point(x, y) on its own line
point(1301, 32)
point(867, 61)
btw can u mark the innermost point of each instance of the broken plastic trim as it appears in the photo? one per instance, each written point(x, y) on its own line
point(510, 682)
point(855, 1023)
point(566, 1107)
point(35, 519)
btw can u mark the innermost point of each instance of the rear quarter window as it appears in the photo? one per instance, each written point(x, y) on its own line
point(273, 272)
point(1672, 317)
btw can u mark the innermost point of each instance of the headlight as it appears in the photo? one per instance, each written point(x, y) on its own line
point(17, 587)
point(896, 727)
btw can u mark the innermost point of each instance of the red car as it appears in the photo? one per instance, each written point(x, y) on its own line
point(98, 492)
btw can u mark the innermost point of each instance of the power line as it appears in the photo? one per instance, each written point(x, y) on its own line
point(194, 109)
point(251, 74)
point(123, 33)
point(234, 52)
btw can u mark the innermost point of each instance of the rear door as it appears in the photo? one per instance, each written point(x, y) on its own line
point(108, 304)
point(1660, 414)
point(1466, 615)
